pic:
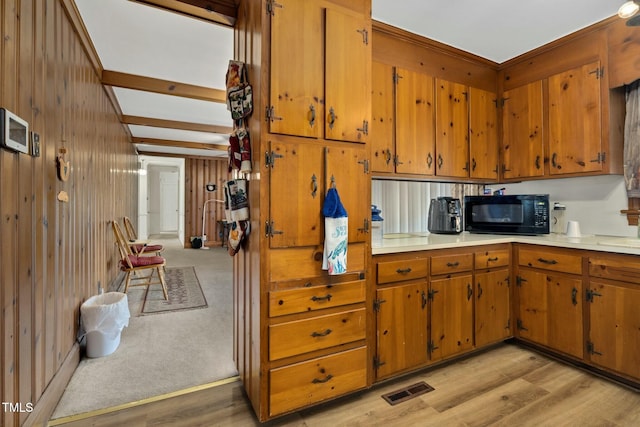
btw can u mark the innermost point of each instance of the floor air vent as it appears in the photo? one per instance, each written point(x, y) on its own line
point(407, 393)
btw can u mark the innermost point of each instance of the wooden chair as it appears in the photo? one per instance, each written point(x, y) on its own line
point(132, 263)
point(138, 247)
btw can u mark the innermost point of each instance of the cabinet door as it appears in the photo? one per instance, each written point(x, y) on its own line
point(575, 142)
point(296, 68)
point(296, 194)
point(451, 316)
point(550, 311)
point(522, 148)
point(452, 129)
point(614, 333)
point(346, 170)
point(415, 129)
point(483, 134)
point(492, 307)
point(382, 118)
point(401, 327)
point(347, 76)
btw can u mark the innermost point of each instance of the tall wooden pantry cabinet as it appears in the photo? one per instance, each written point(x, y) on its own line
point(303, 336)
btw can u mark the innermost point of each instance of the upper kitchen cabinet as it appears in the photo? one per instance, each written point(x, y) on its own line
point(522, 144)
point(382, 139)
point(575, 141)
point(483, 134)
point(296, 94)
point(320, 71)
point(403, 111)
point(415, 108)
point(452, 129)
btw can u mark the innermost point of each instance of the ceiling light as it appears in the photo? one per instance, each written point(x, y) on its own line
point(628, 9)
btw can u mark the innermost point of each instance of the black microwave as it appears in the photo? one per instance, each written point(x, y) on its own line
point(507, 214)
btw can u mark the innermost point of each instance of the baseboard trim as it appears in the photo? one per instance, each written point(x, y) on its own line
point(85, 415)
point(47, 403)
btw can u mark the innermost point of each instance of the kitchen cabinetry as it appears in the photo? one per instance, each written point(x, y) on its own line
point(296, 210)
point(401, 315)
point(613, 300)
point(452, 129)
point(550, 299)
point(522, 127)
point(483, 134)
point(575, 135)
point(451, 304)
point(302, 336)
point(320, 71)
point(403, 132)
point(423, 126)
point(492, 300)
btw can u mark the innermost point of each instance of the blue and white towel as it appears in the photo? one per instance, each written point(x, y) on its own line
point(336, 231)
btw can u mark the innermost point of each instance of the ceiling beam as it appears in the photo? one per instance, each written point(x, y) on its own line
point(173, 124)
point(180, 144)
point(165, 87)
point(224, 12)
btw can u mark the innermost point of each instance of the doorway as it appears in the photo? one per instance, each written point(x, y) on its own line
point(168, 198)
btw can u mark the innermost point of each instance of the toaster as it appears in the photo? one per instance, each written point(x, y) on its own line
point(445, 216)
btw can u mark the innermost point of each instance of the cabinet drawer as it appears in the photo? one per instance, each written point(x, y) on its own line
point(615, 267)
point(548, 259)
point(313, 381)
point(302, 336)
point(302, 263)
point(490, 259)
point(446, 264)
point(397, 271)
point(302, 300)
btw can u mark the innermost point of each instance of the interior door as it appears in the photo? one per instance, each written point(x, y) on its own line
point(169, 201)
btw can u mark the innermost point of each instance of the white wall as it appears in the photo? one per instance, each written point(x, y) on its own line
point(595, 202)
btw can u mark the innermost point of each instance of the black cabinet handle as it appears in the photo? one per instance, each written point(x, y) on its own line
point(321, 334)
point(327, 297)
point(469, 291)
point(574, 296)
point(323, 380)
point(403, 270)
point(547, 261)
point(453, 264)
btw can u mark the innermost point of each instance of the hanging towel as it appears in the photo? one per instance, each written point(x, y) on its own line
point(336, 229)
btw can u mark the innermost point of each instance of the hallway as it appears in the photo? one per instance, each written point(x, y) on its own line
point(162, 353)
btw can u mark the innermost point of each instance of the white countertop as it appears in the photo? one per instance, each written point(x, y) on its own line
point(409, 242)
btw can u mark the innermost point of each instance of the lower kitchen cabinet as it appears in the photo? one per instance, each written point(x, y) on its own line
point(550, 310)
point(401, 328)
point(451, 316)
point(613, 300)
point(492, 313)
point(305, 383)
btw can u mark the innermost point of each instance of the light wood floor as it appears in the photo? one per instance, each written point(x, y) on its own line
point(507, 385)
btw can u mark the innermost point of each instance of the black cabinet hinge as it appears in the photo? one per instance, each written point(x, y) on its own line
point(431, 346)
point(377, 303)
point(590, 294)
point(520, 326)
point(271, 5)
point(269, 230)
point(520, 280)
point(431, 293)
point(377, 362)
point(270, 158)
point(591, 349)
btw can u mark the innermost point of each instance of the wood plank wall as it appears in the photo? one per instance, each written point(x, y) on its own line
point(198, 173)
point(54, 255)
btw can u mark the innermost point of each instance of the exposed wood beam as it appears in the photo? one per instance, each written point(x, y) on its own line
point(173, 124)
point(180, 144)
point(166, 87)
point(222, 12)
point(181, 156)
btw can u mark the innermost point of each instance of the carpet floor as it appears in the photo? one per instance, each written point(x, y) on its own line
point(163, 352)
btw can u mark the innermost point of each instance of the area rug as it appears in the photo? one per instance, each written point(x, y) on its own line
point(184, 291)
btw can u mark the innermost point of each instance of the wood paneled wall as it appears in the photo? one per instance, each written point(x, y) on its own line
point(200, 172)
point(54, 254)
